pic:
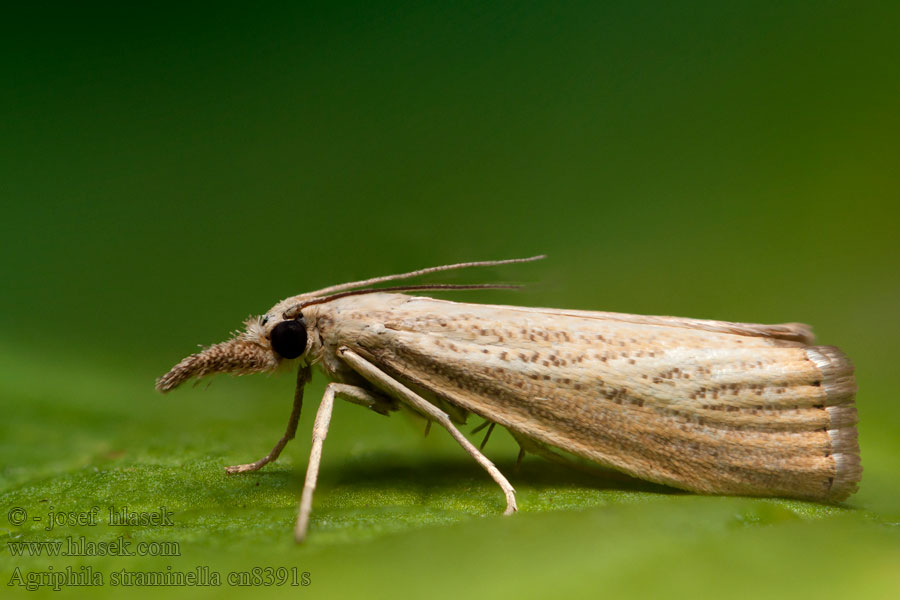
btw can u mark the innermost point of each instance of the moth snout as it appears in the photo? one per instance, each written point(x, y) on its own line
point(236, 356)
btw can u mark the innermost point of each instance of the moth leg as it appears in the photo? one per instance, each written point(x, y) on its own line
point(379, 403)
point(527, 445)
point(303, 376)
point(376, 403)
point(397, 390)
point(482, 426)
point(487, 436)
point(320, 430)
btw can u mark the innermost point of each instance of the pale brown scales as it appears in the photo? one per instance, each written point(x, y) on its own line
point(594, 408)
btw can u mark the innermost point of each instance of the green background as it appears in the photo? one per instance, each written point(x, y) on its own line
point(168, 169)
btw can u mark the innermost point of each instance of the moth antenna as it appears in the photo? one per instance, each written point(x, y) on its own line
point(364, 282)
point(294, 310)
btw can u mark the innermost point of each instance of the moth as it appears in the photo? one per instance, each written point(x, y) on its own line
point(712, 407)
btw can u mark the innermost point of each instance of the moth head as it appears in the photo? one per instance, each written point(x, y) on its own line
point(265, 343)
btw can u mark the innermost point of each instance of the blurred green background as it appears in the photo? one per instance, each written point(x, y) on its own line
point(167, 170)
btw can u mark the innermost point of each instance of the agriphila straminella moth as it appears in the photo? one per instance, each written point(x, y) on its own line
point(707, 406)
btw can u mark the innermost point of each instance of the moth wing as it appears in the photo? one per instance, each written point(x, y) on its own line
point(798, 332)
point(704, 408)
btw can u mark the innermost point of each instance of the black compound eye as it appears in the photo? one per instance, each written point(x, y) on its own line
point(289, 338)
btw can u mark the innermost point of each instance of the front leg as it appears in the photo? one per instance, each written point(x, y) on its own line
point(304, 374)
point(375, 403)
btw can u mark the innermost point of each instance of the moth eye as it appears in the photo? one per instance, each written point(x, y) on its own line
point(289, 338)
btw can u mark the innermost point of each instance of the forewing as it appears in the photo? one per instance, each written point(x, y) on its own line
point(797, 332)
point(694, 407)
